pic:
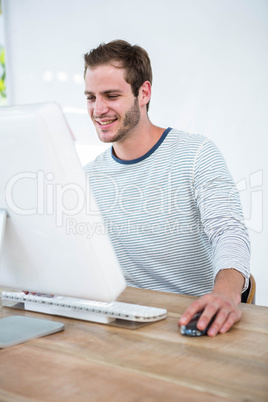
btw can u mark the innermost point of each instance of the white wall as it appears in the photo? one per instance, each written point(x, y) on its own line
point(210, 64)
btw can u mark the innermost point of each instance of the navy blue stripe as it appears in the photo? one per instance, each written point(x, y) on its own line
point(154, 148)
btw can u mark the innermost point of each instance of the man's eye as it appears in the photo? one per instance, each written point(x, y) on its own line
point(112, 96)
point(90, 98)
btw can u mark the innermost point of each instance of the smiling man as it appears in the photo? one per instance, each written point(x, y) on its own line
point(118, 115)
point(114, 111)
point(168, 200)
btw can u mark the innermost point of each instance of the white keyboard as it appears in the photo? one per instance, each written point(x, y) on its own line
point(103, 312)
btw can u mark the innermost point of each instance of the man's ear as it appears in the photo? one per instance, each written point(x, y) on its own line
point(145, 93)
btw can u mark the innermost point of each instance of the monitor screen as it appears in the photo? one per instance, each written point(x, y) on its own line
point(55, 240)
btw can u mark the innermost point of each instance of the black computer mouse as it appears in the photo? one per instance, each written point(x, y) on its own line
point(191, 329)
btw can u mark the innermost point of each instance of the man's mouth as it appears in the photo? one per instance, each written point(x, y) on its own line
point(105, 122)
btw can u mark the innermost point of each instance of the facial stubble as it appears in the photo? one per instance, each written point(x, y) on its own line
point(131, 120)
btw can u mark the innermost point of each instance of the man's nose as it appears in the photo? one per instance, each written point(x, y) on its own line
point(100, 107)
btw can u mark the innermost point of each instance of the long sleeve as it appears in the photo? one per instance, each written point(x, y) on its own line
point(220, 211)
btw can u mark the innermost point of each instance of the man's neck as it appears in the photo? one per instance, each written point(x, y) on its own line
point(139, 142)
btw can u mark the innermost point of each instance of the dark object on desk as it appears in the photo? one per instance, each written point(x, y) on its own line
point(19, 329)
point(191, 329)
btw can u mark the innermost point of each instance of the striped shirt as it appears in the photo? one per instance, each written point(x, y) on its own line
point(174, 215)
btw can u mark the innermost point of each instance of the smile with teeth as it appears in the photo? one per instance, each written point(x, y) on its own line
point(103, 123)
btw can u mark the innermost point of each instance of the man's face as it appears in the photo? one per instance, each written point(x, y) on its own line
point(111, 104)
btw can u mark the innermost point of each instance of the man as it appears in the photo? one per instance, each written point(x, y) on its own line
point(170, 205)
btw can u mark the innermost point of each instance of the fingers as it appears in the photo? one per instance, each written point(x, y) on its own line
point(225, 313)
point(232, 319)
point(223, 321)
point(194, 308)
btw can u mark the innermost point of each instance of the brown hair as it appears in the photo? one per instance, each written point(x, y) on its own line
point(134, 59)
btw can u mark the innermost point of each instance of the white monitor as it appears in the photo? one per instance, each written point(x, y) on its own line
point(55, 240)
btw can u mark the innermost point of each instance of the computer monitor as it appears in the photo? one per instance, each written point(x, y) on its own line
point(55, 240)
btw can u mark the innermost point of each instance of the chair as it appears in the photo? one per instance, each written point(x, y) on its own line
point(249, 295)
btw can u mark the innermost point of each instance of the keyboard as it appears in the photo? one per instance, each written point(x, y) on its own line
point(103, 312)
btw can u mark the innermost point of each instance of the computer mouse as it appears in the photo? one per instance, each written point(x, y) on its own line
point(191, 329)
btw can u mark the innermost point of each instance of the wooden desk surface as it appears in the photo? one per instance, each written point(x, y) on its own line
point(94, 362)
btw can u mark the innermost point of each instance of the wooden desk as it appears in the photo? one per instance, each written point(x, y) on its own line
point(94, 362)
